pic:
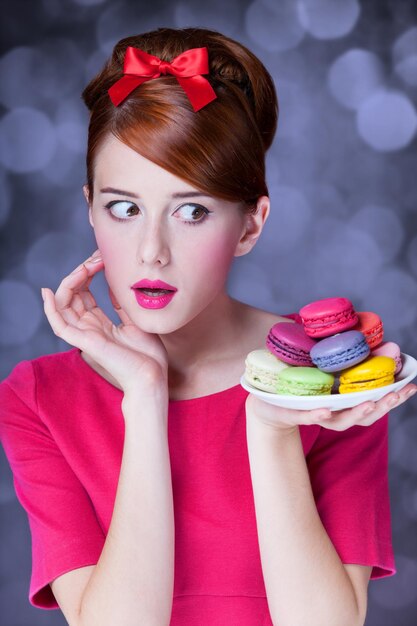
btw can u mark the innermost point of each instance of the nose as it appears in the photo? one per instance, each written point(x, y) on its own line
point(153, 246)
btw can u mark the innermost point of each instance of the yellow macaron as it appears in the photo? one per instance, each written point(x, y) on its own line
point(375, 371)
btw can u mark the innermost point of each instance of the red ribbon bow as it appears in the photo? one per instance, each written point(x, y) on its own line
point(187, 67)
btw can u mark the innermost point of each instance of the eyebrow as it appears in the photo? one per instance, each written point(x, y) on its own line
point(181, 194)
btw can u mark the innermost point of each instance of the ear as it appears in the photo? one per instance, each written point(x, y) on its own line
point(87, 198)
point(254, 224)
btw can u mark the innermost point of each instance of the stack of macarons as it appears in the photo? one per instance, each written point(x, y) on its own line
point(332, 349)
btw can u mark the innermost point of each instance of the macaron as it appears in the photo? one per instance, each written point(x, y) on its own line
point(391, 349)
point(329, 316)
point(262, 369)
point(370, 324)
point(375, 371)
point(289, 343)
point(340, 351)
point(304, 381)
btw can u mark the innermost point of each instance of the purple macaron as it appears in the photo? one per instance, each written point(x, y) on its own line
point(289, 343)
point(340, 351)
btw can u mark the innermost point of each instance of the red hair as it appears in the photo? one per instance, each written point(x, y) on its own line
point(219, 149)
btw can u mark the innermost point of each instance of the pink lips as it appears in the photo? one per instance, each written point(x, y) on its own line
point(148, 301)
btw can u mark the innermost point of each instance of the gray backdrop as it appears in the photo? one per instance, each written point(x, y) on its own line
point(342, 176)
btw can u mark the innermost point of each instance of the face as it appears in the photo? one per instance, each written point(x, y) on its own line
point(151, 225)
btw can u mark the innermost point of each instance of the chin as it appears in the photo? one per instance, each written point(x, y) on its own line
point(156, 324)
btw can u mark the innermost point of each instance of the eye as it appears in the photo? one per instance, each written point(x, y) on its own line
point(193, 213)
point(118, 209)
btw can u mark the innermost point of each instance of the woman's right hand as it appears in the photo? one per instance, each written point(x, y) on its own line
point(136, 360)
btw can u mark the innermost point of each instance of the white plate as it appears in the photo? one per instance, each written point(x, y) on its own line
point(337, 401)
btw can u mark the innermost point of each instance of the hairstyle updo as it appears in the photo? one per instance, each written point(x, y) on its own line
point(219, 149)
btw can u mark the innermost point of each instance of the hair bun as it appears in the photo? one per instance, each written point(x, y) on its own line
point(231, 62)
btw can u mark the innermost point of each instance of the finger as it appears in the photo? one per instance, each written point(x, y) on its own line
point(408, 391)
point(124, 318)
point(61, 327)
point(120, 312)
point(85, 300)
point(78, 280)
point(315, 416)
point(395, 399)
point(367, 413)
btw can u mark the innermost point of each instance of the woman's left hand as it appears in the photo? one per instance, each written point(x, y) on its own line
point(363, 414)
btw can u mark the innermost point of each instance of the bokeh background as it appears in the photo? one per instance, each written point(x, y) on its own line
point(342, 174)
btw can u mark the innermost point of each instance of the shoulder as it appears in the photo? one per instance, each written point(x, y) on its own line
point(47, 363)
point(28, 375)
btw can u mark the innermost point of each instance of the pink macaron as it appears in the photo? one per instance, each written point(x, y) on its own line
point(329, 316)
point(289, 343)
point(391, 349)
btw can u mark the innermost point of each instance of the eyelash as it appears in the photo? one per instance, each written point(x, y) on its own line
point(189, 222)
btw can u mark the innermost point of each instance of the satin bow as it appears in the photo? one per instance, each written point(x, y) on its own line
point(187, 67)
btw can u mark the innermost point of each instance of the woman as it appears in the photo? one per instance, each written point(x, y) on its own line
point(158, 490)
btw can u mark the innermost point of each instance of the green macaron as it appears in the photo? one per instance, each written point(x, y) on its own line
point(304, 381)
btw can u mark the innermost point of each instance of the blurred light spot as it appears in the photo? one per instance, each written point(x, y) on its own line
point(384, 226)
point(405, 56)
point(27, 140)
point(326, 200)
point(327, 19)
point(274, 26)
point(387, 121)
point(19, 74)
point(59, 172)
point(71, 121)
point(354, 76)
point(294, 115)
point(32, 76)
point(288, 221)
point(412, 255)
point(5, 198)
point(16, 300)
point(344, 256)
point(73, 136)
point(64, 69)
point(400, 590)
point(393, 296)
point(407, 69)
point(216, 15)
point(52, 257)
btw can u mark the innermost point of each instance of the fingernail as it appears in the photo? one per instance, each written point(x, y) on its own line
point(43, 293)
point(96, 259)
point(78, 269)
point(368, 410)
point(411, 393)
point(96, 253)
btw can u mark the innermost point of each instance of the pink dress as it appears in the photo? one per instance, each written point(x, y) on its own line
point(62, 430)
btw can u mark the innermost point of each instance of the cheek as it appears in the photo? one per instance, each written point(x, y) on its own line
point(112, 254)
point(216, 255)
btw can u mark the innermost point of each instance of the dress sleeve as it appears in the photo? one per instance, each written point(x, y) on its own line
point(65, 532)
point(349, 476)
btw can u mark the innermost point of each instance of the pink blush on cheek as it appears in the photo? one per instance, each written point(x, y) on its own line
point(217, 255)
